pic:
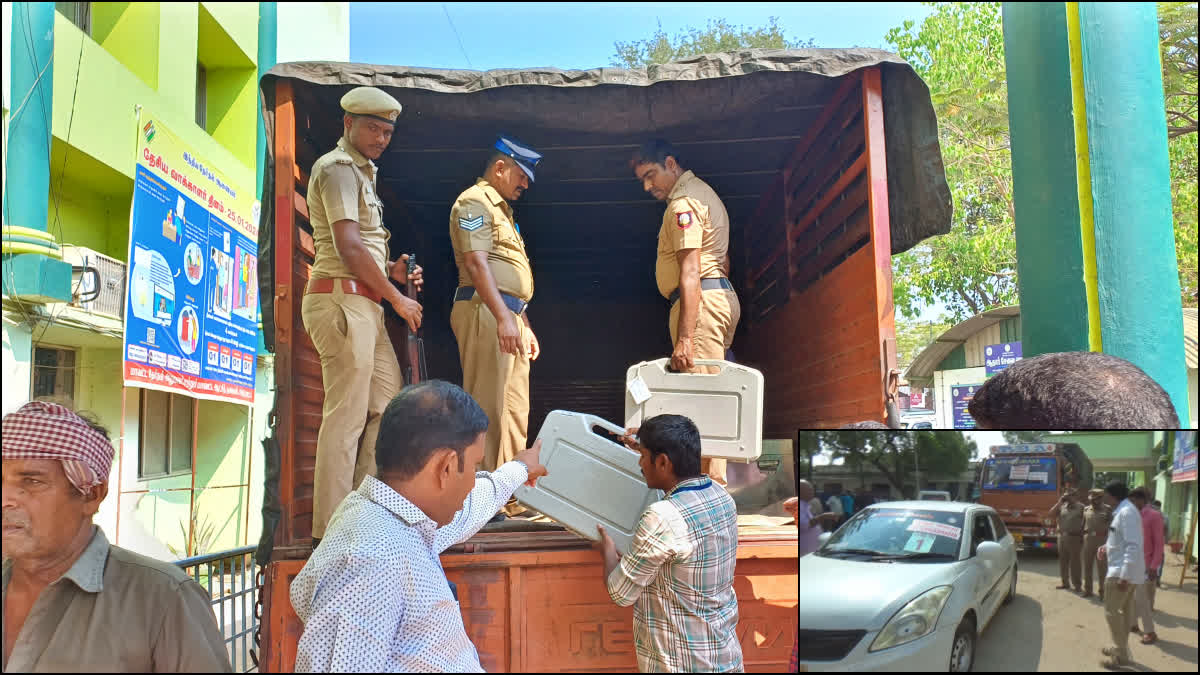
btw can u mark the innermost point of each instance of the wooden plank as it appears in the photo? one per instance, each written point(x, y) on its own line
point(855, 170)
point(840, 210)
point(833, 251)
point(813, 168)
point(881, 233)
point(286, 319)
point(304, 241)
point(850, 84)
point(301, 205)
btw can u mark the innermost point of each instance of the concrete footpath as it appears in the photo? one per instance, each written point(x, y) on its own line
point(1050, 630)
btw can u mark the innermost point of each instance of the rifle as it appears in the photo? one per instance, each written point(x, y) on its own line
point(414, 370)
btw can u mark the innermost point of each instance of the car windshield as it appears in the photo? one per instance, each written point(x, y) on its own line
point(899, 533)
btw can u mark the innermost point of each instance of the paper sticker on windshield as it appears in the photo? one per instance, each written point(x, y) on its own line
point(940, 529)
point(920, 542)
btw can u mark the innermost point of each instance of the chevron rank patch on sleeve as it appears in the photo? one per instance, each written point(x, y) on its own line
point(470, 224)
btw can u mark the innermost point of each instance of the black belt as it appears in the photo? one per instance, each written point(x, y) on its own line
point(514, 303)
point(705, 285)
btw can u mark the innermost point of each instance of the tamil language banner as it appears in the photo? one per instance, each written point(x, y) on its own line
point(191, 309)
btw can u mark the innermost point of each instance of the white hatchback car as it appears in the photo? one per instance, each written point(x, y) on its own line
point(906, 585)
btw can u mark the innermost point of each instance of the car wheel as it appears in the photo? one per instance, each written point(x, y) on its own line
point(962, 652)
point(1012, 588)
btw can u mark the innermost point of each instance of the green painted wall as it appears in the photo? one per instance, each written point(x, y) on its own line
point(106, 91)
point(1112, 444)
point(130, 32)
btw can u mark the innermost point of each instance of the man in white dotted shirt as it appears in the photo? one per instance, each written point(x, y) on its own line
point(373, 597)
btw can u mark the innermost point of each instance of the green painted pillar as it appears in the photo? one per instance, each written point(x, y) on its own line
point(33, 269)
point(27, 164)
point(268, 24)
point(1091, 185)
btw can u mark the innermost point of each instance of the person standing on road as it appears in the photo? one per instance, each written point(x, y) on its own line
point(351, 276)
point(1125, 556)
point(833, 504)
point(490, 317)
point(1166, 534)
point(1152, 537)
point(1069, 512)
point(809, 523)
point(692, 266)
point(847, 504)
point(1096, 519)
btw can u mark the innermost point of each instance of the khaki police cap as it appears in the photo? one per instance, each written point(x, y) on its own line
point(1096, 492)
point(371, 102)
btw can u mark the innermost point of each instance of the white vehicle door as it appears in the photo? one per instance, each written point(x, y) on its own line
point(988, 589)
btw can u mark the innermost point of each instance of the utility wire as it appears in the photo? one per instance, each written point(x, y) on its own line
point(456, 36)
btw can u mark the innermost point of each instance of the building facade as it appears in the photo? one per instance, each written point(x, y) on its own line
point(187, 469)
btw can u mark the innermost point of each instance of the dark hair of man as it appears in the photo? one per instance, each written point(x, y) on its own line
point(421, 419)
point(1117, 489)
point(676, 437)
point(497, 156)
point(869, 424)
point(1157, 502)
point(1139, 492)
point(1073, 390)
point(654, 152)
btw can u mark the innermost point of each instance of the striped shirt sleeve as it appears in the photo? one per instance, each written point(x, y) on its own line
point(653, 545)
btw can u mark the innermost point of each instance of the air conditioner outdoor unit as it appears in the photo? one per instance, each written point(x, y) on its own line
point(98, 281)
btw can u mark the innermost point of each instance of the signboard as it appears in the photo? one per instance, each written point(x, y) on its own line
point(1183, 463)
point(1024, 449)
point(1020, 473)
point(998, 357)
point(960, 397)
point(916, 399)
point(192, 294)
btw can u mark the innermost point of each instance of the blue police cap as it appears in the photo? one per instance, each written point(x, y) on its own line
point(525, 157)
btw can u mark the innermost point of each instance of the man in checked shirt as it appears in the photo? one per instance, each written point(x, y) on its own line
point(678, 574)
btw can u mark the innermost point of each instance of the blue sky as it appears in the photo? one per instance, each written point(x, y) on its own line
point(581, 35)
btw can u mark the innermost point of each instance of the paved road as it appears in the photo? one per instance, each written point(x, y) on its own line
point(1049, 630)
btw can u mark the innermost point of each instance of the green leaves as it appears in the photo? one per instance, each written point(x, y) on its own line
point(717, 36)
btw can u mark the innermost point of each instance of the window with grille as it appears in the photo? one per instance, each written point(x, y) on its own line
point(201, 96)
point(165, 445)
point(53, 375)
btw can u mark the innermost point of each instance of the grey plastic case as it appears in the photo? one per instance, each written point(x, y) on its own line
point(727, 406)
point(589, 480)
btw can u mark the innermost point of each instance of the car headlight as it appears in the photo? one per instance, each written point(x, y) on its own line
point(915, 620)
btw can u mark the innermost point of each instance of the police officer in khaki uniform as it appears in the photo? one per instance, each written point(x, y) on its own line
point(692, 269)
point(341, 307)
point(495, 284)
point(1069, 511)
point(1096, 519)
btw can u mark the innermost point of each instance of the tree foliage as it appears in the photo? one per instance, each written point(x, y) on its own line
point(1177, 45)
point(959, 52)
point(895, 454)
point(1018, 437)
point(717, 36)
point(913, 336)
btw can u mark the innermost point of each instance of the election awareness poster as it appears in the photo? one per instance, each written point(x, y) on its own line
point(192, 306)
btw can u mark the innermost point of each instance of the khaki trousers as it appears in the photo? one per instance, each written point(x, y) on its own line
point(360, 375)
point(498, 382)
point(1118, 610)
point(715, 324)
point(1143, 605)
point(1069, 546)
point(1090, 564)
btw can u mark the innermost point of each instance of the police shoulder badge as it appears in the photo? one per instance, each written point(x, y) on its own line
point(683, 220)
point(470, 224)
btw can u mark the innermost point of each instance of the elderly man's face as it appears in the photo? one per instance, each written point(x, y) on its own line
point(805, 491)
point(43, 512)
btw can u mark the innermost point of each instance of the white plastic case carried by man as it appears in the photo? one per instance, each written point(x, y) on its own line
point(589, 480)
point(727, 406)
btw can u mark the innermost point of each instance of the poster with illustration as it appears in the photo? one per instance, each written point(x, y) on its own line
point(193, 238)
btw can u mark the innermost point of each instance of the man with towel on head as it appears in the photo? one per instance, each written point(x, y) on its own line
point(72, 601)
